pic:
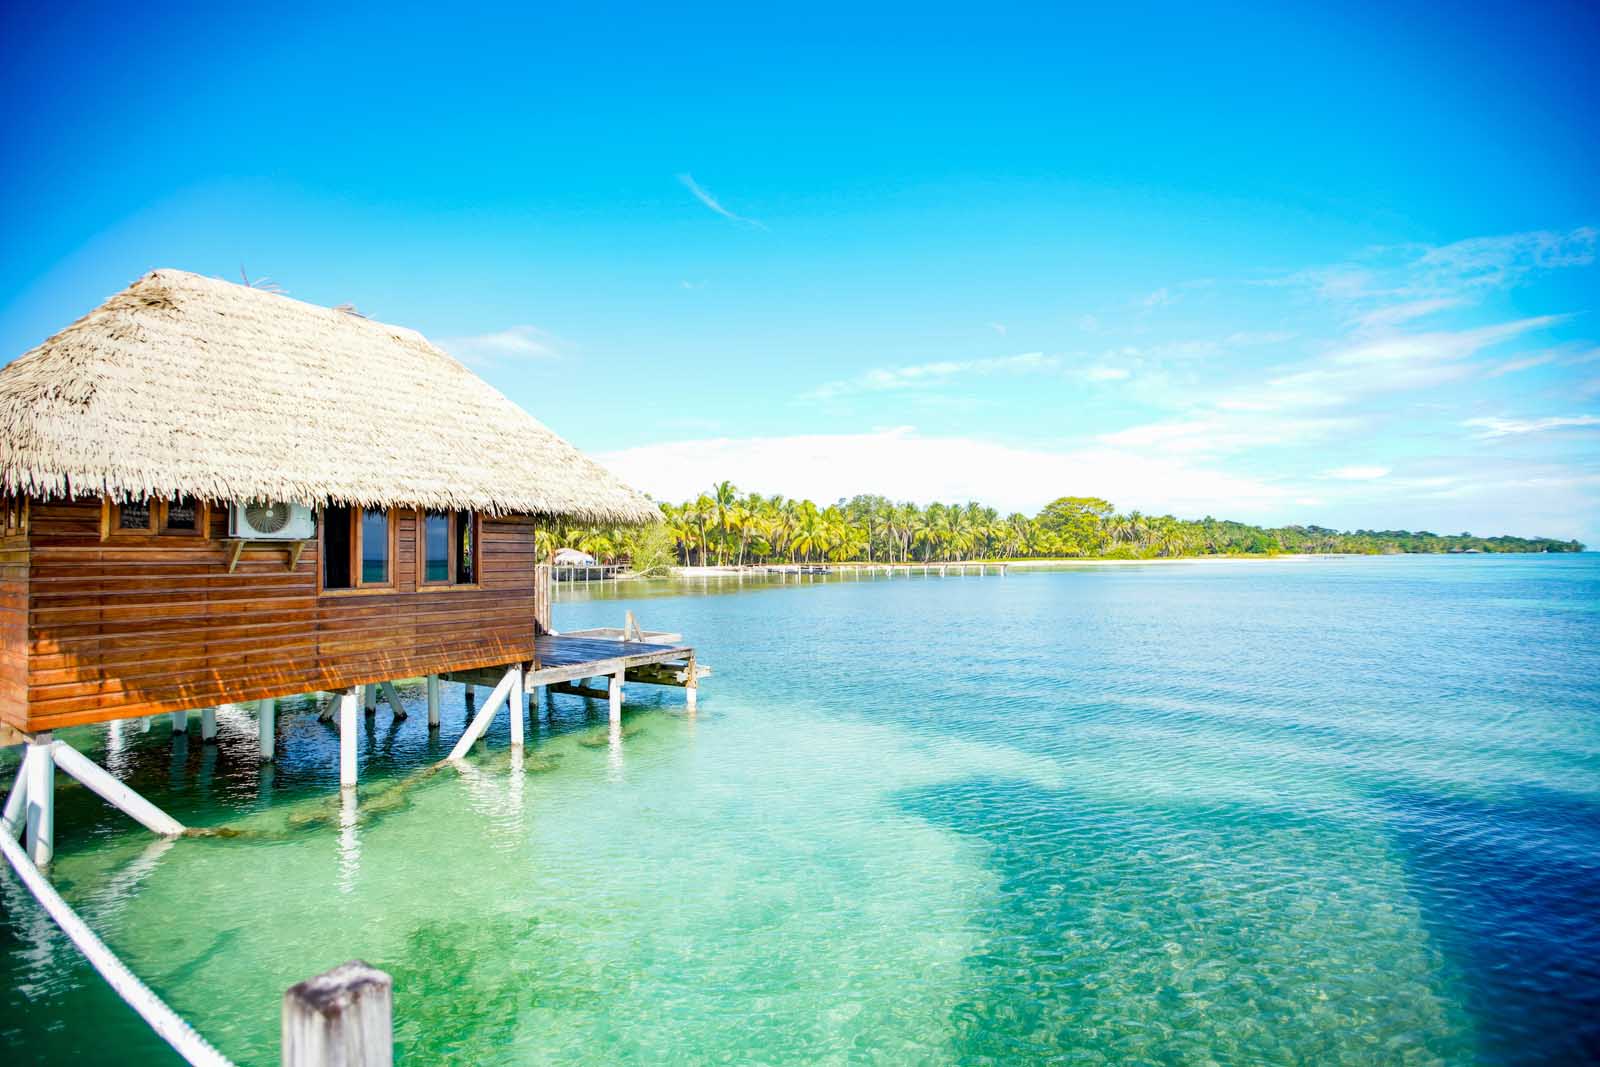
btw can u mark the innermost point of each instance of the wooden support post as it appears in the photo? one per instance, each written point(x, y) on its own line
point(267, 727)
point(369, 698)
point(343, 1018)
point(113, 792)
point(144, 723)
point(516, 706)
point(480, 723)
point(208, 724)
point(616, 696)
point(433, 701)
point(14, 819)
point(393, 698)
point(347, 739)
point(41, 816)
point(691, 686)
point(180, 722)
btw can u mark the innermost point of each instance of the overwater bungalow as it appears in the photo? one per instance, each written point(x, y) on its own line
point(217, 494)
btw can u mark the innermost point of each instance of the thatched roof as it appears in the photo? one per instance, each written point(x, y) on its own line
point(181, 384)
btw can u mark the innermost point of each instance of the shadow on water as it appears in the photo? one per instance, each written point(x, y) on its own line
point(1171, 933)
point(1512, 890)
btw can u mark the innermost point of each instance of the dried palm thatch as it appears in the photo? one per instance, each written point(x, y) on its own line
point(181, 384)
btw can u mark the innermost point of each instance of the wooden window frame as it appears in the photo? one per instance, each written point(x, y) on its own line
point(357, 586)
point(16, 515)
point(202, 521)
point(111, 521)
point(421, 531)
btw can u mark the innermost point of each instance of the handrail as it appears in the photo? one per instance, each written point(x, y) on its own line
point(167, 1024)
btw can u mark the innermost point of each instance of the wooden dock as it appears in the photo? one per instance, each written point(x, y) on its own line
point(889, 570)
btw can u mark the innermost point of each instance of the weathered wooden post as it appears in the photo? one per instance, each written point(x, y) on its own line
point(616, 696)
point(691, 685)
point(180, 722)
point(433, 701)
point(343, 1018)
point(208, 724)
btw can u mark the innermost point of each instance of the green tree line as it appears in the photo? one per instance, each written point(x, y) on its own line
point(724, 526)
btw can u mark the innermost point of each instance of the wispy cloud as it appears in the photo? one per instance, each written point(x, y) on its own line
point(705, 197)
point(1497, 261)
point(511, 345)
point(928, 374)
point(1357, 474)
point(1386, 318)
point(1107, 374)
point(1491, 427)
point(998, 327)
point(1426, 279)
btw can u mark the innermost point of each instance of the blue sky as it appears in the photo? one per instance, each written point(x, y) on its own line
point(1318, 265)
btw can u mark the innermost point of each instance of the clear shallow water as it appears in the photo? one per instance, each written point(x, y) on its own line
point(1264, 812)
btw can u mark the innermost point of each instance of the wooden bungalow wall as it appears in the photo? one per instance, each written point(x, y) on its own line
point(137, 626)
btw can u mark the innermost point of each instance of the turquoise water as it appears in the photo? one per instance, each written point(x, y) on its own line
point(1261, 812)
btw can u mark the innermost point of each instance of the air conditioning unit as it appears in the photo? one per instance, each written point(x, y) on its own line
point(271, 521)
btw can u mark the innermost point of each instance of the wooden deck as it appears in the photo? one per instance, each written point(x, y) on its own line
point(563, 658)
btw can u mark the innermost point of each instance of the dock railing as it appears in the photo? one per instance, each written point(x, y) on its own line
point(343, 1017)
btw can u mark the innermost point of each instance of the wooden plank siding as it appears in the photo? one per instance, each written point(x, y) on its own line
point(13, 631)
point(99, 629)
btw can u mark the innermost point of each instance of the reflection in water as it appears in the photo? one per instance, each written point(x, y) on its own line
point(349, 841)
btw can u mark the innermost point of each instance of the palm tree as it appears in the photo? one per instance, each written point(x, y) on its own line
point(723, 496)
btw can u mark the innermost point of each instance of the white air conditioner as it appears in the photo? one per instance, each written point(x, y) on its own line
point(271, 521)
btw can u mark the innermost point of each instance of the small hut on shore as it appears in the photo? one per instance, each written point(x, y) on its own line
point(215, 493)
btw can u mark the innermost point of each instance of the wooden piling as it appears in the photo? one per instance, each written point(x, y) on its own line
point(347, 738)
point(41, 799)
point(433, 701)
point(342, 1018)
point(267, 728)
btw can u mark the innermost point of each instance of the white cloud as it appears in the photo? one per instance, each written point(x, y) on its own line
point(1389, 364)
point(998, 327)
point(1491, 427)
point(714, 204)
point(929, 374)
point(513, 344)
point(1156, 299)
point(906, 465)
point(1357, 474)
point(1495, 261)
point(1386, 318)
point(1106, 374)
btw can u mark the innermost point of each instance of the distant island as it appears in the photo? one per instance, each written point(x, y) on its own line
point(725, 527)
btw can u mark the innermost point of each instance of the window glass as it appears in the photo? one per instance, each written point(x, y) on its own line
point(134, 515)
point(436, 547)
point(183, 514)
point(336, 527)
point(466, 548)
point(374, 547)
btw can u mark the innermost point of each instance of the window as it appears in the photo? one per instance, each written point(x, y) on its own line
point(466, 548)
point(184, 516)
point(135, 515)
point(357, 548)
point(16, 510)
point(338, 547)
point(436, 546)
point(447, 548)
point(374, 547)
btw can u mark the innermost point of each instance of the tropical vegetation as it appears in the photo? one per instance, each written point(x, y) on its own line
point(726, 527)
